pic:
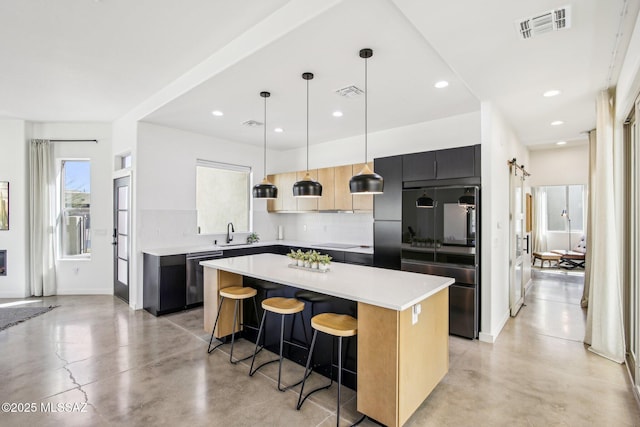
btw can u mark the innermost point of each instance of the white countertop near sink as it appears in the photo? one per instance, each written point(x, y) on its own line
point(210, 248)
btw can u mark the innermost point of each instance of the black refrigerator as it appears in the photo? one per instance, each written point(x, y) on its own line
point(387, 214)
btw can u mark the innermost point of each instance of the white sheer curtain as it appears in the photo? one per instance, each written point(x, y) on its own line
point(539, 219)
point(605, 323)
point(42, 219)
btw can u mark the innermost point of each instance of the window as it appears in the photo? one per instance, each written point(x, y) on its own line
point(569, 198)
point(223, 195)
point(75, 217)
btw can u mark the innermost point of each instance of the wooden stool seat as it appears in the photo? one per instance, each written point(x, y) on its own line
point(238, 292)
point(282, 305)
point(338, 325)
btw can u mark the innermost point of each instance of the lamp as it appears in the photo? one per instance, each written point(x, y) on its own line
point(367, 181)
point(468, 199)
point(425, 202)
point(566, 214)
point(307, 187)
point(265, 190)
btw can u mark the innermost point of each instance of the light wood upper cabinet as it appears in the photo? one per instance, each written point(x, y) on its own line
point(342, 194)
point(303, 203)
point(326, 177)
point(335, 191)
point(285, 200)
point(362, 202)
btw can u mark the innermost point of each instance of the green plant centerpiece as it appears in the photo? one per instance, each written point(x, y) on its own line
point(253, 238)
point(323, 262)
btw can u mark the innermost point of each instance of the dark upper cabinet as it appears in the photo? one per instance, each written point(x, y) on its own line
point(419, 166)
point(451, 163)
point(388, 205)
point(455, 163)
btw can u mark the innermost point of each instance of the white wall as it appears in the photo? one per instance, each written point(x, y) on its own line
point(454, 131)
point(93, 276)
point(499, 145)
point(164, 188)
point(14, 166)
point(560, 166)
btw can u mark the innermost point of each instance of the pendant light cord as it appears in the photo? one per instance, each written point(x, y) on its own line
point(366, 103)
point(265, 137)
point(307, 126)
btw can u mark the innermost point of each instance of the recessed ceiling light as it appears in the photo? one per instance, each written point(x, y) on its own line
point(337, 114)
point(561, 143)
point(217, 113)
point(279, 130)
point(557, 123)
point(441, 84)
point(550, 93)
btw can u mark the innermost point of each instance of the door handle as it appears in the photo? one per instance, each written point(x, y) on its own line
point(527, 239)
point(115, 237)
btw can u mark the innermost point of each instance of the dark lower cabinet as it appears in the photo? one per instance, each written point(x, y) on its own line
point(164, 283)
point(358, 258)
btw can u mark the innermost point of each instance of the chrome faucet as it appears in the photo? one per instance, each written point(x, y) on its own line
point(230, 234)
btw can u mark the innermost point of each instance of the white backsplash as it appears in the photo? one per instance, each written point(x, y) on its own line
point(177, 228)
point(326, 227)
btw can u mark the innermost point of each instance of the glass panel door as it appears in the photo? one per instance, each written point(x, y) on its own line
point(121, 234)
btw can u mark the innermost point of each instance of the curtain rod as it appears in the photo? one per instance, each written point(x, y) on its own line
point(74, 140)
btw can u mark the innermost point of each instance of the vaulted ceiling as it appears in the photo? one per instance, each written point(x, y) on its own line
point(95, 60)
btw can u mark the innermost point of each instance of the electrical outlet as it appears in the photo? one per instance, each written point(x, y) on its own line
point(415, 312)
point(304, 227)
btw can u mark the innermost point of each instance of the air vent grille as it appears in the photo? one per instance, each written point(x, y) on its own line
point(252, 123)
point(350, 91)
point(553, 20)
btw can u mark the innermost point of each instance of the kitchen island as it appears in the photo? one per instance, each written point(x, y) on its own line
point(403, 324)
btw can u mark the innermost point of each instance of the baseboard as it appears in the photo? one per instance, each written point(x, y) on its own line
point(13, 295)
point(491, 338)
point(85, 291)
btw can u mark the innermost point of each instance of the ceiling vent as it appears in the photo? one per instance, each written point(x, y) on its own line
point(553, 20)
point(252, 123)
point(350, 91)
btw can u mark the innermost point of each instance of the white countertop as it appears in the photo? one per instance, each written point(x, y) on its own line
point(211, 248)
point(396, 290)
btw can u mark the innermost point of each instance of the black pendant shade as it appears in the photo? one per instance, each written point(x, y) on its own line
point(265, 190)
point(425, 202)
point(367, 181)
point(468, 199)
point(307, 187)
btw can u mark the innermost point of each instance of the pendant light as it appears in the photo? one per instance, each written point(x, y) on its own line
point(468, 199)
point(307, 187)
point(367, 181)
point(265, 190)
point(425, 202)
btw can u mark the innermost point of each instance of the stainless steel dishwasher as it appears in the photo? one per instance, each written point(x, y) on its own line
point(195, 276)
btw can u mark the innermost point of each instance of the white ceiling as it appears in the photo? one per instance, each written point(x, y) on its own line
point(88, 60)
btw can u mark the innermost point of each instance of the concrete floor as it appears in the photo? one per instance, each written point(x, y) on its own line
point(131, 368)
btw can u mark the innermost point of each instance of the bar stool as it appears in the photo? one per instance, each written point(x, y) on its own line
point(236, 293)
point(311, 299)
point(338, 326)
point(283, 307)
